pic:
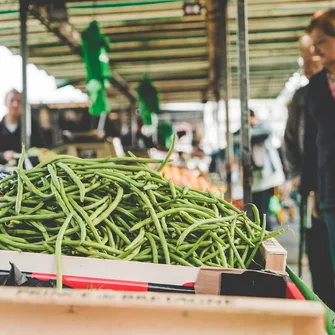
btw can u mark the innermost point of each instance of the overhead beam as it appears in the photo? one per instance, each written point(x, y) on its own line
point(70, 37)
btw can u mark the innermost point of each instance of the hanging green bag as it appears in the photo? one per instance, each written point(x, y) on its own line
point(95, 56)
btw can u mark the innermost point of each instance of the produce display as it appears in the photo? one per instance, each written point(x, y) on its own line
point(118, 208)
point(185, 177)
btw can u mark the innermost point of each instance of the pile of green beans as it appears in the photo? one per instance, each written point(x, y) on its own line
point(111, 209)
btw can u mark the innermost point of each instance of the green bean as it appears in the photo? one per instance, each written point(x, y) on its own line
point(245, 253)
point(188, 217)
point(133, 254)
point(150, 187)
point(35, 209)
point(100, 210)
point(185, 190)
point(143, 258)
point(155, 219)
point(210, 256)
point(58, 252)
point(126, 213)
point(86, 218)
point(26, 246)
point(31, 217)
point(5, 210)
point(117, 231)
point(160, 168)
point(75, 179)
point(217, 239)
point(133, 251)
point(204, 251)
point(30, 185)
point(222, 254)
point(77, 218)
point(153, 247)
point(48, 247)
point(95, 253)
point(234, 250)
point(111, 241)
point(180, 260)
point(123, 223)
point(197, 224)
point(164, 225)
point(139, 237)
point(169, 212)
point(19, 184)
point(196, 245)
point(240, 233)
point(25, 232)
point(215, 209)
point(53, 176)
point(253, 253)
point(111, 208)
point(173, 189)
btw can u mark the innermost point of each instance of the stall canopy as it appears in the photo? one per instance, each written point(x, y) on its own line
point(155, 37)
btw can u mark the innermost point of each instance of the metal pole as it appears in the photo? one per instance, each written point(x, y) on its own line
point(133, 123)
point(25, 117)
point(244, 97)
point(226, 96)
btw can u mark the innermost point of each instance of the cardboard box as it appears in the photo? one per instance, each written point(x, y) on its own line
point(69, 312)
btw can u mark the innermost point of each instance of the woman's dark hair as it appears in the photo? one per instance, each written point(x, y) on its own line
point(325, 22)
point(251, 113)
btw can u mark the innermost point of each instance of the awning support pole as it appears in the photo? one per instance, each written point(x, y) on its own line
point(226, 96)
point(133, 123)
point(26, 113)
point(242, 28)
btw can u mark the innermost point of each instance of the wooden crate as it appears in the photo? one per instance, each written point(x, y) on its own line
point(68, 312)
point(273, 255)
point(119, 274)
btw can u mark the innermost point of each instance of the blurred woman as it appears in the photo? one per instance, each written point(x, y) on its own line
point(319, 143)
point(10, 129)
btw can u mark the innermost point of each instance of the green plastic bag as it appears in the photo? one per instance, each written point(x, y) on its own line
point(274, 205)
point(148, 99)
point(95, 56)
point(165, 132)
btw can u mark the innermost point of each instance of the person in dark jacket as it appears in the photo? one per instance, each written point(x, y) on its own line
point(319, 144)
point(317, 250)
point(10, 130)
point(294, 132)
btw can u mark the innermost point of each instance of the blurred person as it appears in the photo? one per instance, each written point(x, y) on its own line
point(318, 252)
point(267, 166)
point(10, 129)
point(113, 125)
point(294, 132)
point(319, 141)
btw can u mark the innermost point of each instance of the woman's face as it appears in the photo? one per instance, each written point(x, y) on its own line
point(13, 103)
point(324, 46)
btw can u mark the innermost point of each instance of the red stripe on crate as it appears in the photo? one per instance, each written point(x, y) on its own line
point(292, 292)
point(96, 283)
point(189, 284)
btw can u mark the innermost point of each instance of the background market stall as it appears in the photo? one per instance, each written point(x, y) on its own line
point(178, 51)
